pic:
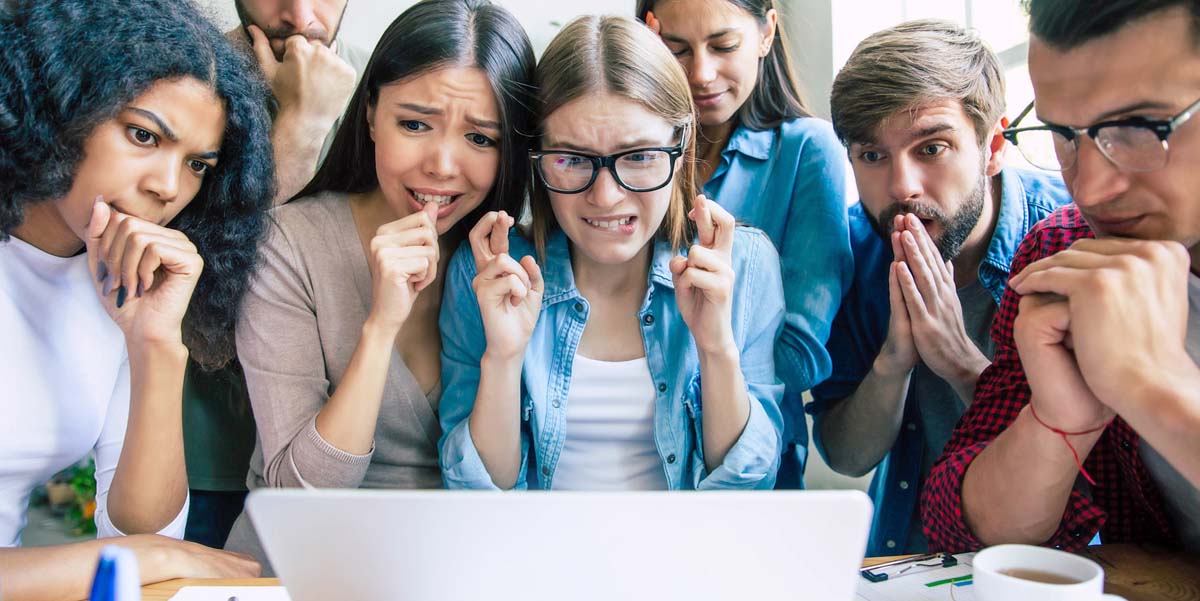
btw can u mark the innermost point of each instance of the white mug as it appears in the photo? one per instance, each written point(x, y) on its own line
point(1028, 573)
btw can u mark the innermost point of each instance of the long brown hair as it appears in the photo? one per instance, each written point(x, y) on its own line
point(776, 96)
point(429, 35)
point(619, 56)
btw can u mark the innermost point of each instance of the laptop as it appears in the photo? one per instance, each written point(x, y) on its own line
point(363, 545)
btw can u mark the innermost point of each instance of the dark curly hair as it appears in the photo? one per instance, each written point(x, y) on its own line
point(68, 66)
point(429, 35)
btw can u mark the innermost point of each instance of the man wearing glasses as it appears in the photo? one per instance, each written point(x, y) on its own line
point(1089, 418)
point(940, 218)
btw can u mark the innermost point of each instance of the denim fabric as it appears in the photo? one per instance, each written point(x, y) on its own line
point(758, 310)
point(861, 328)
point(790, 182)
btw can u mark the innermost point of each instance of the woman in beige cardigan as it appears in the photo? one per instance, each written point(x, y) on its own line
point(338, 336)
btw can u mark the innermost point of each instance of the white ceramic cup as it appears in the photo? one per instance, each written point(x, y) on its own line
point(992, 584)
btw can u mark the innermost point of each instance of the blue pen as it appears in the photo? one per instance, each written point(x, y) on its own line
point(116, 576)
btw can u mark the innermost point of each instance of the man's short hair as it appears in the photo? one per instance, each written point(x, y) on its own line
point(910, 65)
point(1067, 24)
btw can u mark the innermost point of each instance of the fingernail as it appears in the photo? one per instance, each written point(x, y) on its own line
point(101, 272)
point(120, 296)
point(108, 285)
point(140, 290)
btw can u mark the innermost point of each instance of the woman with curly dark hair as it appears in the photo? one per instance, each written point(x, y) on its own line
point(339, 338)
point(135, 172)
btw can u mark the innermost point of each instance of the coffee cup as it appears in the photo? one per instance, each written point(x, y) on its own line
point(1029, 573)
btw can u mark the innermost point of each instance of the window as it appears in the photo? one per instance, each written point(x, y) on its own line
point(1002, 23)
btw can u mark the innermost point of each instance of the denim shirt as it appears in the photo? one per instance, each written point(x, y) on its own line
point(861, 328)
point(670, 353)
point(790, 182)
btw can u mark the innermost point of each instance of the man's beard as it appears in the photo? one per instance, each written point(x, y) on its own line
point(955, 228)
point(319, 34)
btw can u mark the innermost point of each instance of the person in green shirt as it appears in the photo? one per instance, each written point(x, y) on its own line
point(312, 75)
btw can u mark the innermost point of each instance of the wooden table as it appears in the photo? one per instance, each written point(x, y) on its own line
point(1136, 572)
point(163, 591)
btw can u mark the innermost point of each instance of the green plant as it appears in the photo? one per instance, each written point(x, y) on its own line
point(80, 516)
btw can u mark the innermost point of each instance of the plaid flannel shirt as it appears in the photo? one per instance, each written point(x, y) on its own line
point(1124, 506)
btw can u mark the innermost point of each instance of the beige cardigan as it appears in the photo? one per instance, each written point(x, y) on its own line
point(298, 328)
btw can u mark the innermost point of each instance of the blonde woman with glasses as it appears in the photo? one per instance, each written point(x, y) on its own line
point(767, 160)
point(626, 342)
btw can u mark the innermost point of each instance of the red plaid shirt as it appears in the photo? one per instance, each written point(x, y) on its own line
point(1125, 505)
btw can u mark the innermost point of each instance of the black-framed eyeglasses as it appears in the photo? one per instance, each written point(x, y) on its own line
point(1132, 144)
point(637, 170)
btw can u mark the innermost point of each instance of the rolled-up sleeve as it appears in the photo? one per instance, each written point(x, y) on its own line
point(463, 344)
point(753, 461)
point(280, 349)
point(816, 258)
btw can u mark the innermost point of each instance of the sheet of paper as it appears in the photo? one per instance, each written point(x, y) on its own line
point(231, 593)
point(938, 584)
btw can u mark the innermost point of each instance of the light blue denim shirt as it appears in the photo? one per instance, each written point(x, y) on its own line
point(758, 310)
point(790, 182)
point(861, 326)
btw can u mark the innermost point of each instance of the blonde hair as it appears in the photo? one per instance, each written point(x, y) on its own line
point(619, 56)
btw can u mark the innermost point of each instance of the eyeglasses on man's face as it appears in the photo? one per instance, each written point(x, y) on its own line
point(1132, 144)
point(637, 170)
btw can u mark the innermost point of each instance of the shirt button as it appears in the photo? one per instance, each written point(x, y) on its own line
point(1125, 444)
point(557, 404)
point(648, 319)
point(891, 544)
point(671, 458)
point(545, 471)
point(912, 427)
point(1076, 534)
point(904, 485)
point(579, 307)
point(662, 387)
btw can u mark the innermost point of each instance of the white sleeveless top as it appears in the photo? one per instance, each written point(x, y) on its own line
point(610, 429)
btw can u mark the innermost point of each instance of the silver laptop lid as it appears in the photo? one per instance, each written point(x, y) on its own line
point(360, 545)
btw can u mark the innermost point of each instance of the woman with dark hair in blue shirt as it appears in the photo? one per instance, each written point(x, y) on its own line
point(770, 163)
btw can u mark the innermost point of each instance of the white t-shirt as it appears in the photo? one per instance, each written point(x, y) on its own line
point(610, 429)
point(64, 383)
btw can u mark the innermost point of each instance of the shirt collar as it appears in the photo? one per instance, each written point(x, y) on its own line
point(1010, 222)
point(751, 142)
point(559, 278)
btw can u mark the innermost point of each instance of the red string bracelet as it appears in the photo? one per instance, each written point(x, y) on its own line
point(1064, 436)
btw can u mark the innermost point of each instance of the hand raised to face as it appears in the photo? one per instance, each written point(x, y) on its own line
point(404, 261)
point(509, 292)
point(927, 311)
point(145, 273)
point(310, 78)
point(1120, 305)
